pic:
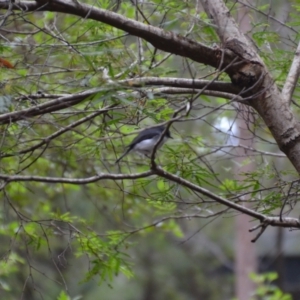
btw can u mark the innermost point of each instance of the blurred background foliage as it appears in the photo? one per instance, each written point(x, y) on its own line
point(132, 239)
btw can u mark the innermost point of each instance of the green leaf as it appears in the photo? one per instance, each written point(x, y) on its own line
point(63, 296)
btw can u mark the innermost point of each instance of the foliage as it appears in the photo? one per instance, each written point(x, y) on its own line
point(58, 212)
point(266, 290)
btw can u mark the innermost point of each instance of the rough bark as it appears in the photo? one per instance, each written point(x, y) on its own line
point(268, 101)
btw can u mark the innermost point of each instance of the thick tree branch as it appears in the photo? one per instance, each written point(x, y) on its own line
point(159, 38)
point(275, 112)
point(292, 78)
point(229, 32)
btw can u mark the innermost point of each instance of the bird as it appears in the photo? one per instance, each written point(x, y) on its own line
point(145, 141)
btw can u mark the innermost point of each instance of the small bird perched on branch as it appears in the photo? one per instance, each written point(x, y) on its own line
point(145, 141)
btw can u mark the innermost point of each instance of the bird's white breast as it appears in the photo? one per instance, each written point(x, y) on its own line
point(146, 146)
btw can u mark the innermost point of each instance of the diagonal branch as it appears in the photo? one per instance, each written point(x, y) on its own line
point(265, 220)
point(275, 112)
point(292, 78)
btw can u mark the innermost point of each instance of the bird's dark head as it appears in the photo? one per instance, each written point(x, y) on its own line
point(162, 128)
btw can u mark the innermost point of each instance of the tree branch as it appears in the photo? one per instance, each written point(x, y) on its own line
point(292, 78)
point(273, 221)
point(65, 101)
point(50, 106)
point(219, 86)
point(156, 170)
point(275, 112)
point(159, 38)
point(179, 91)
point(101, 176)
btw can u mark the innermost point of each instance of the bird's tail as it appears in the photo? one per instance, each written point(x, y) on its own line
point(124, 154)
